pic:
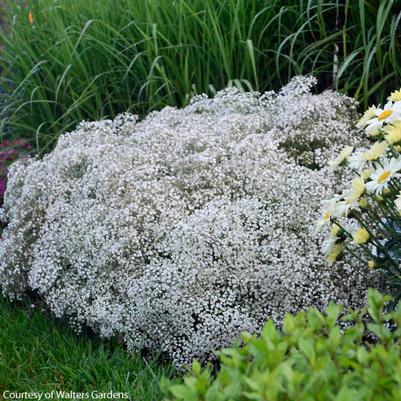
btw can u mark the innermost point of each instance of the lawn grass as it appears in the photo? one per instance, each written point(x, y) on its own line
point(40, 353)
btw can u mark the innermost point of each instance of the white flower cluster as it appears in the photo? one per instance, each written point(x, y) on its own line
point(312, 128)
point(180, 231)
point(367, 214)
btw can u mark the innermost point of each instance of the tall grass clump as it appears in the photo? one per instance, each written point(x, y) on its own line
point(65, 61)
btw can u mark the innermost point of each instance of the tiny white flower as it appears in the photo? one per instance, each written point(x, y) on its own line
point(158, 226)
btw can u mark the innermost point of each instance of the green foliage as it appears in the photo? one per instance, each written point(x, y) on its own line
point(38, 353)
point(311, 358)
point(88, 59)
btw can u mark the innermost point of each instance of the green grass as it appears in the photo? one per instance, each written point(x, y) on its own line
point(39, 353)
point(88, 59)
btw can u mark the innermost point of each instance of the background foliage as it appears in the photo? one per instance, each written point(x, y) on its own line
point(64, 61)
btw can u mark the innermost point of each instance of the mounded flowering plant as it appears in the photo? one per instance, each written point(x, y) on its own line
point(365, 220)
point(10, 151)
point(180, 231)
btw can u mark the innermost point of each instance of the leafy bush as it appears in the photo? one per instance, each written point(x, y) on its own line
point(368, 215)
point(311, 358)
point(180, 231)
point(67, 61)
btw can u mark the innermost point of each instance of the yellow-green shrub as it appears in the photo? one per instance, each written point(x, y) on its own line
point(315, 356)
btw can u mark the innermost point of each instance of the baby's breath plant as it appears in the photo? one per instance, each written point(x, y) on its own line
point(366, 219)
point(179, 231)
point(9, 152)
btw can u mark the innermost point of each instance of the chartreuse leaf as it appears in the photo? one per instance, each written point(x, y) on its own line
point(289, 324)
point(316, 320)
point(182, 392)
point(347, 394)
point(332, 313)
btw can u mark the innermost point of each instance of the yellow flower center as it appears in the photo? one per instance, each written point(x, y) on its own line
point(383, 176)
point(326, 216)
point(384, 114)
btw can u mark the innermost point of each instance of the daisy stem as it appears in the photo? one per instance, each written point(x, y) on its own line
point(377, 242)
point(348, 249)
point(374, 219)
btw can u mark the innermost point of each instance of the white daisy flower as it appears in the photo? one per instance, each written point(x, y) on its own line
point(395, 96)
point(335, 252)
point(365, 174)
point(393, 133)
point(381, 177)
point(328, 244)
point(333, 164)
point(391, 112)
point(343, 207)
point(367, 116)
point(357, 160)
point(376, 151)
point(360, 236)
point(356, 191)
point(329, 207)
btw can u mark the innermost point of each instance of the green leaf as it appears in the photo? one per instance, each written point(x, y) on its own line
point(288, 323)
point(315, 319)
point(183, 393)
point(334, 338)
point(347, 394)
point(332, 312)
point(196, 367)
point(307, 347)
